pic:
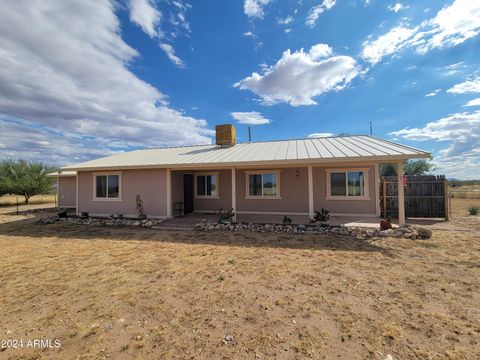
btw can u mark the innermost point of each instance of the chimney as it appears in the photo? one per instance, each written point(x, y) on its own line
point(225, 135)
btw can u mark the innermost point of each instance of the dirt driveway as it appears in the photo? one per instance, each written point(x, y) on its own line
point(128, 293)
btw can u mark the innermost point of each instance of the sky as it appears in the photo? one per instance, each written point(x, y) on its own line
point(85, 79)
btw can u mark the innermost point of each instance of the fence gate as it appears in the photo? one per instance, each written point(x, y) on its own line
point(426, 196)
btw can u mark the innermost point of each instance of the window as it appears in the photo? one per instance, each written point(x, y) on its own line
point(107, 186)
point(206, 185)
point(350, 184)
point(263, 185)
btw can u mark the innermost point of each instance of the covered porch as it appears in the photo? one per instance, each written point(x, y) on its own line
point(195, 194)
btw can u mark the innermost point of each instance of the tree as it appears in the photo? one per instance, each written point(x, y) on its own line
point(410, 167)
point(25, 178)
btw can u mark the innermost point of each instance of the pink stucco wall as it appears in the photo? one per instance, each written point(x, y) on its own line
point(149, 184)
point(343, 206)
point(293, 193)
point(67, 192)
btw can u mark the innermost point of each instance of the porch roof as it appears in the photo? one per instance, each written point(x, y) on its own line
point(317, 150)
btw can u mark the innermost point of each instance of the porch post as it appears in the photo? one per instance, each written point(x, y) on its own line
point(169, 193)
point(401, 194)
point(310, 192)
point(234, 196)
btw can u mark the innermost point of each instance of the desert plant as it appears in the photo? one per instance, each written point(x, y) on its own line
point(321, 216)
point(139, 206)
point(386, 224)
point(286, 220)
point(473, 210)
point(225, 215)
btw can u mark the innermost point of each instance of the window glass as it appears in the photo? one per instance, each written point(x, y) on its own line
point(269, 184)
point(201, 185)
point(101, 186)
point(113, 186)
point(356, 184)
point(255, 184)
point(337, 184)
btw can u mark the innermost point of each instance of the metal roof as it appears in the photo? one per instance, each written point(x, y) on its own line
point(61, 173)
point(316, 150)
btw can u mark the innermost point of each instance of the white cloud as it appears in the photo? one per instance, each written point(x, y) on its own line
point(320, 135)
point(434, 93)
point(144, 14)
point(254, 8)
point(73, 76)
point(250, 118)
point(462, 133)
point(248, 34)
point(387, 44)
point(474, 102)
point(288, 30)
point(469, 86)
point(451, 26)
point(397, 7)
point(317, 10)
point(170, 52)
point(285, 21)
point(299, 76)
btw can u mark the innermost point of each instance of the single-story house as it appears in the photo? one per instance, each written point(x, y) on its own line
point(287, 177)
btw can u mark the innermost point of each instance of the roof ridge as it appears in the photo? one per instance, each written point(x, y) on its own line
point(249, 142)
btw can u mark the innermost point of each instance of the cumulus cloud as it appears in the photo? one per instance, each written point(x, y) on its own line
point(320, 135)
point(397, 7)
point(462, 133)
point(469, 86)
point(452, 25)
point(474, 102)
point(144, 14)
point(254, 8)
point(170, 52)
point(250, 118)
point(285, 21)
point(317, 10)
point(73, 76)
point(300, 76)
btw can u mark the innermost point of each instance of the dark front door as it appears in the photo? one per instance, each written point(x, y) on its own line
point(188, 193)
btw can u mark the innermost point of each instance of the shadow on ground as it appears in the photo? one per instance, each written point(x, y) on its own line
point(29, 228)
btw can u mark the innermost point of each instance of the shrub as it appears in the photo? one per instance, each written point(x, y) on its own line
point(139, 206)
point(321, 216)
point(225, 215)
point(473, 210)
point(386, 223)
point(286, 220)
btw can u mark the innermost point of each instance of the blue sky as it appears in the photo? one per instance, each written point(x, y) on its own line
point(87, 79)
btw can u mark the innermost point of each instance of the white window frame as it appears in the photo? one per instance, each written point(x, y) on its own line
point(119, 198)
point(329, 196)
point(261, 197)
point(217, 192)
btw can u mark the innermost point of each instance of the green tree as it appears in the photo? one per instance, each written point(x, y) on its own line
point(25, 178)
point(410, 167)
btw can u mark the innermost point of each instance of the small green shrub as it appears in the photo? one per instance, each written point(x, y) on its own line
point(321, 216)
point(473, 210)
point(225, 215)
point(286, 220)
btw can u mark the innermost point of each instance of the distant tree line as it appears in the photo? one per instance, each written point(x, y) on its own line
point(410, 167)
point(25, 178)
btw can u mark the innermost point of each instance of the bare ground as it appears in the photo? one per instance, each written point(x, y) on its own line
point(128, 293)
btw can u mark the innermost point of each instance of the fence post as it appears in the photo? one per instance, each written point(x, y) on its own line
point(384, 185)
point(447, 207)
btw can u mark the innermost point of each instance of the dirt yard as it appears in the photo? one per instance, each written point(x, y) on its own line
point(128, 293)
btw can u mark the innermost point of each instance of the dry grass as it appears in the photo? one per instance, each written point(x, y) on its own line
point(10, 200)
point(128, 293)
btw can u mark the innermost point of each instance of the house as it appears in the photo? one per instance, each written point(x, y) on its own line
point(287, 177)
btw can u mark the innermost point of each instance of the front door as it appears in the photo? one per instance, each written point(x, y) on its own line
point(188, 193)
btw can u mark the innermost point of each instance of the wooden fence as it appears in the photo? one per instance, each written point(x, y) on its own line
point(426, 196)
